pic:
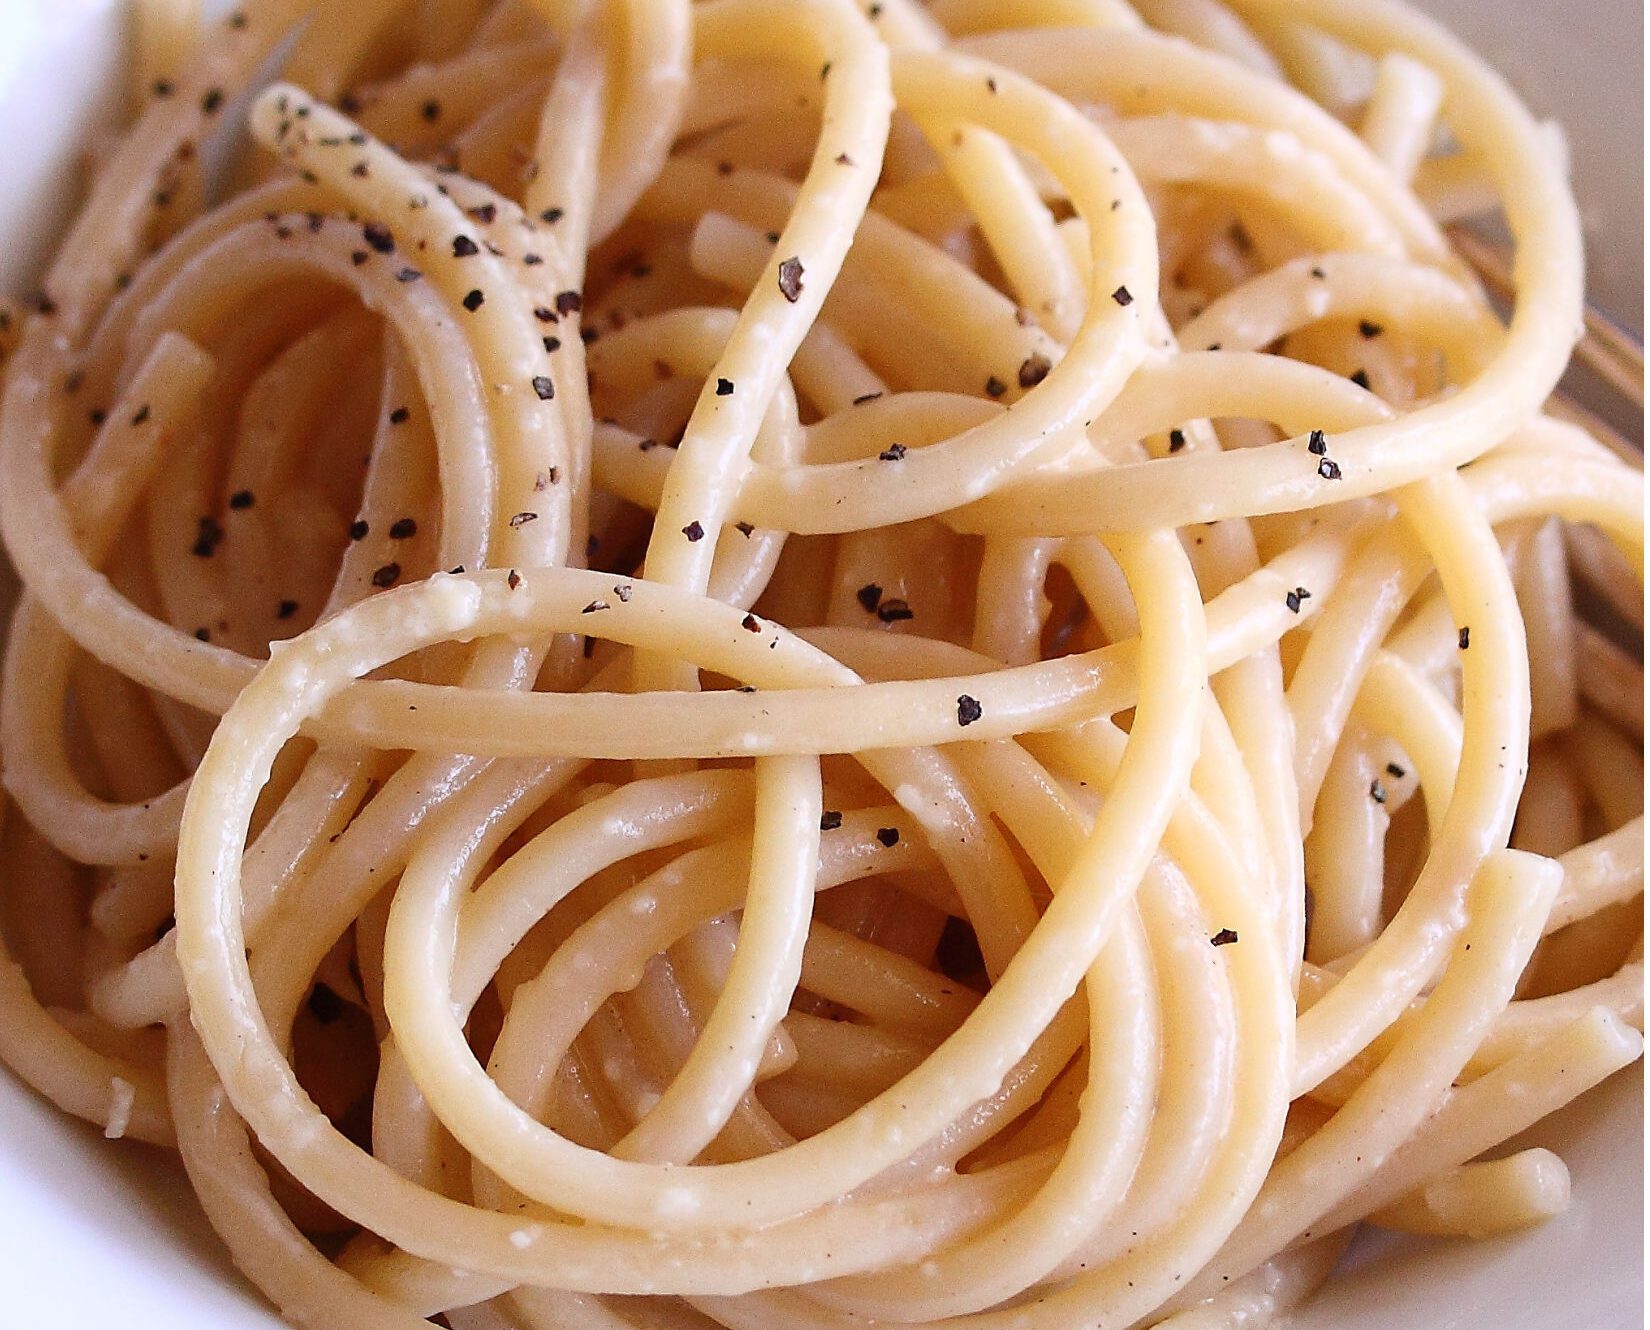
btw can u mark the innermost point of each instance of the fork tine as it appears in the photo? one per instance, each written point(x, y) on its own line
point(1565, 407)
point(1613, 354)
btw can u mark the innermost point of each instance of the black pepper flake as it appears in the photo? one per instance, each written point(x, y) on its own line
point(203, 634)
point(550, 216)
point(1360, 378)
point(386, 576)
point(97, 417)
point(866, 397)
point(1377, 791)
point(532, 260)
point(623, 592)
point(464, 247)
point(358, 257)
point(1316, 443)
point(400, 416)
point(889, 836)
point(403, 528)
point(1224, 938)
point(514, 580)
point(594, 606)
point(968, 710)
point(894, 452)
point(545, 479)
point(543, 387)
point(208, 535)
point(995, 387)
point(237, 20)
point(694, 531)
point(544, 315)
point(744, 529)
point(142, 414)
point(569, 302)
point(552, 345)
point(1319, 273)
point(241, 499)
point(519, 520)
point(1367, 329)
point(162, 88)
point(830, 820)
point(724, 387)
point(1329, 469)
point(825, 71)
point(1465, 640)
point(895, 611)
point(589, 335)
point(1177, 440)
point(360, 170)
point(377, 235)
point(473, 301)
point(751, 624)
point(843, 159)
point(72, 384)
point(1293, 600)
point(325, 1005)
point(991, 85)
point(431, 110)
point(1395, 771)
point(1122, 296)
point(455, 570)
point(212, 101)
point(358, 529)
point(1034, 369)
point(286, 609)
point(349, 104)
point(408, 275)
point(790, 279)
point(869, 597)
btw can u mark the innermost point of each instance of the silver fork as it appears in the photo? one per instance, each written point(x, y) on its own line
point(1608, 352)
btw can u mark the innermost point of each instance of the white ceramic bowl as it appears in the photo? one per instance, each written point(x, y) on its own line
point(95, 1235)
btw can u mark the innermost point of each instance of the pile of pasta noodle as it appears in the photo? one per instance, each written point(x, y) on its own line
point(774, 663)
